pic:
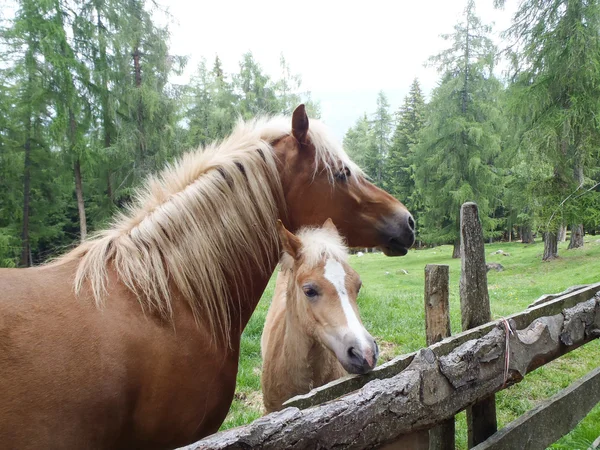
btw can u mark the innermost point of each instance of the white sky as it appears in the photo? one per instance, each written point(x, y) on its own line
point(346, 51)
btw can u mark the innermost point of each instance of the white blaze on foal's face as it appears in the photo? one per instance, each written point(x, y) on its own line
point(340, 328)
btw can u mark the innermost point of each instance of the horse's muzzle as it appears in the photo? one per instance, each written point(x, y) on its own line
point(398, 234)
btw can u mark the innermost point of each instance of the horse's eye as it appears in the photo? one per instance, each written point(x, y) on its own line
point(310, 292)
point(343, 174)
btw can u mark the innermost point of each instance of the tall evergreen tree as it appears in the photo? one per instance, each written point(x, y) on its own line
point(358, 140)
point(559, 67)
point(454, 159)
point(400, 166)
point(69, 80)
point(379, 145)
point(23, 38)
point(255, 89)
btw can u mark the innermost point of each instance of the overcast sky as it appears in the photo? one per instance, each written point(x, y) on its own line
point(346, 51)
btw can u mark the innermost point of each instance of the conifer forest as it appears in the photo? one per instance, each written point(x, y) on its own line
point(88, 109)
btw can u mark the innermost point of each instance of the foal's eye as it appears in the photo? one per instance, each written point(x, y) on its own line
point(343, 174)
point(310, 292)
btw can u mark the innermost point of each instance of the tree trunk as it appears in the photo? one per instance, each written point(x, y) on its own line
point(80, 202)
point(77, 172)
point(102, 67)
point(26, 248)
point(576, 236)
point(109, 190)
point(550, 246)
point(465, 91)
point(140, 121)
point(456, 249)
point(562, 233)
point(577, 228)
point(526, 235)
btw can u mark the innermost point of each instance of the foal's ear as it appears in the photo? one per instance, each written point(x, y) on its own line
point(300, 124)
point(289, 242)
point(329, 225)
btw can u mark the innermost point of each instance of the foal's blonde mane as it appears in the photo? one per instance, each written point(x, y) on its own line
point(199, 226)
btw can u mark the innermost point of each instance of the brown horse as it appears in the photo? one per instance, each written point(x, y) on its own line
point(132, 339)
point(313, 333)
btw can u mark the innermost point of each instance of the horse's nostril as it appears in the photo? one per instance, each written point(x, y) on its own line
point(376, 348)
point(351, 352)
point(411, 223)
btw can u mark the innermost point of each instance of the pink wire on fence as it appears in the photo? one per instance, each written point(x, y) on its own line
point(508, 332)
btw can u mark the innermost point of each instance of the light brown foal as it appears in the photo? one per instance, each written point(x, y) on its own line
point(313, 333)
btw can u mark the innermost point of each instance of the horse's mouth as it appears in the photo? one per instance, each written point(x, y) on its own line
point(394, 248)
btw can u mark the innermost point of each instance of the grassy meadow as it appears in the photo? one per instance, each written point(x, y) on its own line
point(391, 306)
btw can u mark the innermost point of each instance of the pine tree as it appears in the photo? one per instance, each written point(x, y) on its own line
point(69, 86)
point(559, 68)
point(400, 166)
point(26, 79)
point(255, 89)
point(357, 141)
point(148, 110)
point(289, 93)
point(454, 158)
point(379, 145)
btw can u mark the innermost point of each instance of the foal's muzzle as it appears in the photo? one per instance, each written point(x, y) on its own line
point(360, 361)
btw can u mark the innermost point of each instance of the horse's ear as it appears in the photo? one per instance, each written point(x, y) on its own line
point(300, 124)
point(329, 225)
point(289, 242)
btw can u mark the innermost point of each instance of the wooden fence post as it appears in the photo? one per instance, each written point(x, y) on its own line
point(437, 327)
point(475, 311)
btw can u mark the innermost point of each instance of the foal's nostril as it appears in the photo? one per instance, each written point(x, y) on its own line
point(376, 348)
point(411, 223)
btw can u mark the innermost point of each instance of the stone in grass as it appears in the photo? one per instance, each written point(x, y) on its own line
point(494, 266)
point(501, 252)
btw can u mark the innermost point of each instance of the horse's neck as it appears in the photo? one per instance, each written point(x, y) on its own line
point(247, 304)
point(308, 362)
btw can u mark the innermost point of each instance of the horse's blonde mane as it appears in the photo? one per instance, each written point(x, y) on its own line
point(202, 224)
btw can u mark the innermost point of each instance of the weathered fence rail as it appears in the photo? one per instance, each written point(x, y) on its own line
point(550, 420)
point(391, 368)
point(439, 382)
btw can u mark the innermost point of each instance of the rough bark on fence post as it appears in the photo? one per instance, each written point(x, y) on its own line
point(475, 311)
point(437, 327)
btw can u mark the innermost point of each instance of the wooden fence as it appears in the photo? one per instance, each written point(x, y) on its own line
point(410, 402)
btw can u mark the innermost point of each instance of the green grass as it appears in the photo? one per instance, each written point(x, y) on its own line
point(391, 305)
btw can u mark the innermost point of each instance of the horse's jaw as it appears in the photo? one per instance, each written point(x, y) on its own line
point(394, 250)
